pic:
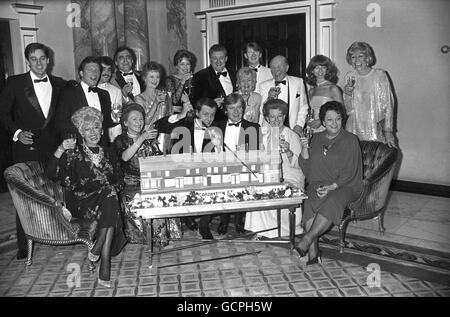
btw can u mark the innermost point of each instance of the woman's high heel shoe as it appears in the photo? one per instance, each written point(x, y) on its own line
point(301, 252)
point(316, 260)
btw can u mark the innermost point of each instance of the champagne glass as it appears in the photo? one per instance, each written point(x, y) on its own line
point(116, 108)
point(129, 80)
point(71, 136)
point(31, 147)
point(308, 133)
point(351, 81)
point(282, 138)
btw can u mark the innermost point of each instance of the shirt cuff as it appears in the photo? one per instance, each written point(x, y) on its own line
point(173, 118)
point(16, 135)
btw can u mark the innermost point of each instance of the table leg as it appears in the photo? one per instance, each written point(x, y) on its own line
point(150, 241)
point(292, 227)
point(279, 222)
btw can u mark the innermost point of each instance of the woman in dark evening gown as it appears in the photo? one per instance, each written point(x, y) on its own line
point(333, 168)
point(91, 177)
point(132, 144)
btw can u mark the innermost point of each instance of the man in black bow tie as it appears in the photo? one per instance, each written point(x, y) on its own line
point(27, 107)
point(82, 94)
point(215, 81)
point(290, 89)
point(253, 53)
point(126, 78)
point(238, 134)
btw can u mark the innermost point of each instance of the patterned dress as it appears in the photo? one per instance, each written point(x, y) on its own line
point(90, 190)
point(135, 228)
point(176, 89)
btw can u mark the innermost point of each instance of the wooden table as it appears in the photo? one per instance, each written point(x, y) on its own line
point(148, 214)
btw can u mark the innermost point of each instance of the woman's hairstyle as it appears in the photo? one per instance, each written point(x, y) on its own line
point(87, 116)
point(126, 112)
point(364, 48)
point(245, 71)
point(180, 54)
point(275, 104)
point(232, 99)
point(321, 60)
point(333, 106)
point(126, 48)
point(154, 67)
point(205, 102)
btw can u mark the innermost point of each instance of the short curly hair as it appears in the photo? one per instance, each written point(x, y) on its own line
point(180, 54)
point(333, 106)
point(126, 112)
point(364, 48)
point(321, 60)
point(87, 116)
point(154, 67)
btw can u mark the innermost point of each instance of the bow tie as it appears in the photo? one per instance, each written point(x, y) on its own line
point(277, 82)
point(224, 74)
point(93, 89)
point(43, 80)
point(255, 69)
point(237, 124)
point(127, 74)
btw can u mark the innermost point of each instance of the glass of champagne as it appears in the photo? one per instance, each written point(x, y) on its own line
point(116, 108)
point(282, 138)
point(308, 133)
point(71, 136)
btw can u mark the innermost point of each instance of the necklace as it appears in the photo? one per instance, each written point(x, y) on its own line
point(331, 141)
point(325, 82)
point(95, 158)
point(132, 136)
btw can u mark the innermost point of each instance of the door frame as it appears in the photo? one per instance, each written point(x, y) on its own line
point(211, 19)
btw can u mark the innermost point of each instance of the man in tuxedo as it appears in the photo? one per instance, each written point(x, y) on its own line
point(237, 133)
point(290, 89)
point(85, 94)
point(215, 81)
point(190, 134)
point(253, 55)
point(27, 113)
point(126, 78)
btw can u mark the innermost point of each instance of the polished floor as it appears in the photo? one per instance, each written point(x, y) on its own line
point(261, 270)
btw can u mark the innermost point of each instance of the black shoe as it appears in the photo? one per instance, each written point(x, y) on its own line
point(301, 252)
point(222, 228)
point(191, 224)
point(316, 260)
point(206, 234)
point(22, 254)
point(240, 229)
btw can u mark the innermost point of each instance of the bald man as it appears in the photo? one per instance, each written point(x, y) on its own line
point(287, 88)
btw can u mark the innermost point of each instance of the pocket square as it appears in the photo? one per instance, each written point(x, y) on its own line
point(297, 95)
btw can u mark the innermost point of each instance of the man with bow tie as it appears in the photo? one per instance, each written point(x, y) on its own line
point(290, 89)
point(27, 113)
point(253, 55)
point(192, 134)
point(238, 134)
point(215, 81)
point(85, 94)
point(126, 78)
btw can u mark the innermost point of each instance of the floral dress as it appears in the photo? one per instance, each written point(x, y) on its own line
point(135, 228)
point(91, 190)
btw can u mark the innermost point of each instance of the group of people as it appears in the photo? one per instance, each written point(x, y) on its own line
point(90, 133)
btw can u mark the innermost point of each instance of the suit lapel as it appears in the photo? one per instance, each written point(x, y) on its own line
point(55, 93)
point(31, 95)
point(214, 81)
point(120, 80)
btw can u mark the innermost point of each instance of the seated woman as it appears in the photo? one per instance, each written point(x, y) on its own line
point(322, 76)
point(133, 143)
point(333, 169)
point(275, 111)
point(91, 177)
point(246, 83)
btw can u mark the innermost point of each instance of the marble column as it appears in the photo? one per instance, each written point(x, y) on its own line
point(120, 22)
point(103, 28)
point(176, 27)
point(82, 35)
point(136, 30)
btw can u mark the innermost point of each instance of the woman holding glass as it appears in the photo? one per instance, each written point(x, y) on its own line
point(155, 100)
point(333, 168)
point(322, 76)
point(246, 84)
point(179, 85)
point(368, 97)
point(290, 147)
point(133, 143)
point(91, 177)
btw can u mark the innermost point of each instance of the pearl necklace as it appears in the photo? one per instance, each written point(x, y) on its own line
point(95, 158)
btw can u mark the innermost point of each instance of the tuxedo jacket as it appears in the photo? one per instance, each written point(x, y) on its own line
point(247, 133)
point(298, 105)
point(179, 130)
point(20, 109)
point(118, 81)
point(206, 84)
point(72, 99)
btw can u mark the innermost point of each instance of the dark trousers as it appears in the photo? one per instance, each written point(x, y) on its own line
point(21, 238)
point(238, 219)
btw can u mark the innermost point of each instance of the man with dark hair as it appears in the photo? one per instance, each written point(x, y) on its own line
point(238, 134)
point(253, 56)
point(27, 108)
point(126, 78)
point(215, 81)
point(191, 134)
point(85, 94)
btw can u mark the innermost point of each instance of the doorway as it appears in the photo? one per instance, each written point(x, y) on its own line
point(278, 35)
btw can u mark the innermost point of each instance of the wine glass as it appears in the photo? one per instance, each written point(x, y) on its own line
point(308, 133)
point(282, 138)
point(351, 81)
point(116, 108)
point(71, 136)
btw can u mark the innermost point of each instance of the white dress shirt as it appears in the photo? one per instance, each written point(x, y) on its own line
point(91, 97)
point(226, 82)
point(262, 74)
point(136, 87)
point(43, 92)
point(199, 135)
point(284, 91)
point(115, 95)
point(231, 138)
